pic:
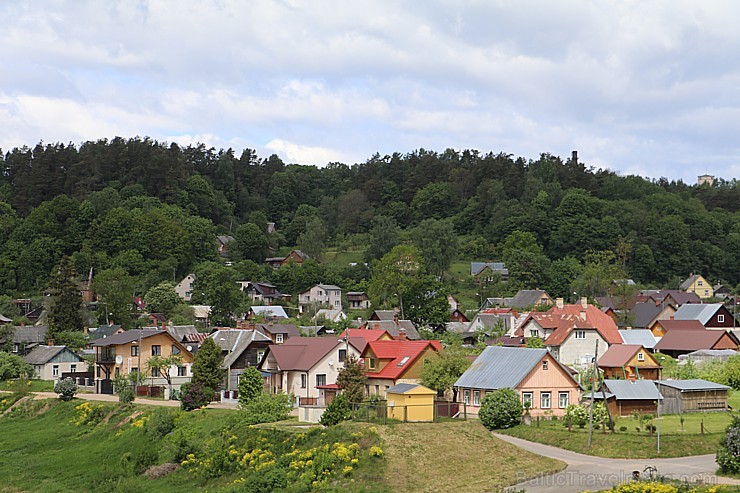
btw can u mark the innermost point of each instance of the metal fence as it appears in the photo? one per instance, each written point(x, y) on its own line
point(380, 412)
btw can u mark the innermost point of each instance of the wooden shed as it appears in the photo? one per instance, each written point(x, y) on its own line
point(410, 402)
point(690, 396)
point(623, 397)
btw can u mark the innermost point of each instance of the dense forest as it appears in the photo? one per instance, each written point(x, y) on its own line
point(152, 210)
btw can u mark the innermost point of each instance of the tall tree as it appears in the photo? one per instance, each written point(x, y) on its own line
point(250, 243)
point(115, 289)
point(383, 236)
point(437, 242)
point(441, 373)
point(351, 380)
point(162, 298)
point(66, 300)
point(207, 369)
point(312, 241)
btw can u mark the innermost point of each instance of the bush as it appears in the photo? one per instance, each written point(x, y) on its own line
point(161, 422)
point(195, 396)
point(267, 408)
point(576, 415)
point(66, 388)
point(728, 455)
point(500, 409)
point(251, 385)
point(339, 410)
point(122, 387)
point(13, 366)
point(622, 428)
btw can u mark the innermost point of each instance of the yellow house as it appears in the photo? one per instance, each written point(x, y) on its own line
point(410, 402)
point(129, 352)
point(697, 284)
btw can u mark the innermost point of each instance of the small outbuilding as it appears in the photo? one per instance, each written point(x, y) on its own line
point(690, 396)
point(623, 397)
point(410, 402)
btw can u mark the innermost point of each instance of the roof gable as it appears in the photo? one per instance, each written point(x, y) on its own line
point(620, 355)
point(633, 390)
point(499, 367)
point(303, 353)
point(702, 313)
point(564, 320)
point(402, 355)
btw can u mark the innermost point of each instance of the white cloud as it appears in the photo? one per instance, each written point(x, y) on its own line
point(295, 153)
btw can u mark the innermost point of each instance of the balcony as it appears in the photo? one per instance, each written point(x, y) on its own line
point(106, 355)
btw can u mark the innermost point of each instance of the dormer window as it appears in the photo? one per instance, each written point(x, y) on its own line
point(278, 338)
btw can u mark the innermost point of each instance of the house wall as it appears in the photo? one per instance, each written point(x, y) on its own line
point(411, 407)
point(722, 314)
point(677, 402)
point(554, 380)
point(578, 352)
point(165, 341)
point(701, 287)
point(725, 342)
point(248, 358)
point(185, 287)
point(64, 365)
point(626, 407)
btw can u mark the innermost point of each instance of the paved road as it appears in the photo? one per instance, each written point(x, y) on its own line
point(585, 472)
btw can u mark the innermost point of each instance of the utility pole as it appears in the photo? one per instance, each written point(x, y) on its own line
point(659, 399)
point(593, 391)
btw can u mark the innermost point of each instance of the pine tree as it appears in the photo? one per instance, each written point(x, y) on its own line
point(207, 369)
point(66, 301)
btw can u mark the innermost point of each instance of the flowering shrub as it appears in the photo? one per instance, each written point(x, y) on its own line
point(195, 396)
point(88, 414)
point(728, 455)
point(66, 388)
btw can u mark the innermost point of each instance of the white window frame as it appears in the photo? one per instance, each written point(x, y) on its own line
point(545, 365)
point(720, 319)
point(55, 370)
point(534, 333)
point(476, 397)
point(342, 355)
point(543, 397)
point(304, 380)
point(260, 355)
point(528, 397)
point(156, 350)
point(134, 350)
point(73, 368)
point(579, 334)
point(278, 338)
point(466, 396)
point(561, 395)
point(640, 356)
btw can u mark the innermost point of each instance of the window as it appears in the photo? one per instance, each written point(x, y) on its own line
point(156, 373)
point(303, 380)
point(55, 371)
point(534, 333)
point(16, 347)
point(367, 390)
point(580, 334)
point(700, 283)
point(720, 319)
point(73, 368)
point(260, 355)
point(182, 371)
point(544, 364)
point(563, 398)
point(134, 350)
point(175, 350)
point(640, 356)
point(527, 397)
point(342, 355)
point(545, 400)
point(403, 361)
point(371, 363)
point(278, 338)
point(156, 350)
point(466, 396)
point(476, 397)
point(320, 380)
point(706, 292)
point(377, 390)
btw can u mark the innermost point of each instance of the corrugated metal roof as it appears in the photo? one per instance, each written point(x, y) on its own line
point(637, 390)
point(500, 367)
point(693, 384)
point(702, 313)
point(642, 337)
point(269, 310)
point(402, 388)
point(43, 354)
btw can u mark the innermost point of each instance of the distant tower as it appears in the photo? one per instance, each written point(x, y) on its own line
point(574, 157)
point(705, 179)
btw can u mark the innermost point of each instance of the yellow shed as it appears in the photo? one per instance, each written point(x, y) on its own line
point(410, 402)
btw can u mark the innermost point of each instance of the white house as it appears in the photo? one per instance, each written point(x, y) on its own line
point(184, 288)
point(321, 296)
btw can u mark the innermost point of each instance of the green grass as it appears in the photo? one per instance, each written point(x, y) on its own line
point(27, 385)
point(675, 440)
point(343, 259)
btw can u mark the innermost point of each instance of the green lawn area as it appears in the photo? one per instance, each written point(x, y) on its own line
point(455, 456)
point(676, 440)
point(343, 259)
point(27, 385)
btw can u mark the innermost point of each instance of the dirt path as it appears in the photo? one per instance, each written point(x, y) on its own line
point(595, 473)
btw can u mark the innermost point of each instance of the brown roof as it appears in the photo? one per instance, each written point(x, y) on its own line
point(691, 340)
point(302, 353)
point(669, 325)
point(619, 355)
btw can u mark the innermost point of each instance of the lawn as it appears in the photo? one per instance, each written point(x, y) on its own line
point(455, 456)
point(676, 439)
point(27, 385)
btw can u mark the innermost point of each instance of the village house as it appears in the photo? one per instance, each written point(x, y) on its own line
point(184, 288)
point(660, 327)
point(295, 256)
point(534, 374)
point(388, 363)
point(488, 272)
point(644, 338)
point(262, 293)
point(267, 313)
point(222, 245)
point(51, 362)
point(307, 367)
point(677, 342)
point(624, 361)
point(358, 300)
point(711, 316)
point(321, 296)
point(645, 315)
point(625, 397)
point(697, 284)
point(241, 349)
point(129, 352)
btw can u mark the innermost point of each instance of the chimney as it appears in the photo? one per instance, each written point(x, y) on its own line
point(584, 302)
point(376, 326)
point(559, 302)
point(252, 325)
point(401, 334)
point(673, 318)
point(85, 330)
point(395, 319)
point(164, 326)
point(23, 324)
point(50, 342)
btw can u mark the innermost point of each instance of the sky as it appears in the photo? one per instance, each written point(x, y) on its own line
point(646, 88)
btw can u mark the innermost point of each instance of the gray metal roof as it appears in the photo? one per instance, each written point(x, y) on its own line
point(644, 313)
point(402, 388)
point(269, 310)
point(525, 298)
point(629, 390)
point(499, 367)
point(693, 384)
point(43, 354)
point(702, 313)
point(639, 336)
point(477, 267)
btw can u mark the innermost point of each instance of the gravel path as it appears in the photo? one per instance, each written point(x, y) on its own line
point(586, 472)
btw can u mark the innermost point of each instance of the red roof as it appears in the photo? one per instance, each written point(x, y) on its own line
point(401, 353)
point(367, 334)
point(564, 320)
point(681, 325)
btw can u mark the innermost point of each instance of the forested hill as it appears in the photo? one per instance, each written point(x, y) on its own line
point(155, 208)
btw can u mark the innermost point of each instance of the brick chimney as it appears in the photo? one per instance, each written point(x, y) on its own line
point(50, 342)
point(164, 326)
point(584, 302)
point(402, 334)
point(673, 318)
point(395, 319)
point(559, 302)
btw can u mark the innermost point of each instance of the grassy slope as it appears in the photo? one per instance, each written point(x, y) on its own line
point(455, 456)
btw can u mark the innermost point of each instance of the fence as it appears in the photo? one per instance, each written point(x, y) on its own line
point(82, 379)
point(381, 412)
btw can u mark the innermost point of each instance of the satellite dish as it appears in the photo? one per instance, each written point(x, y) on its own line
point(190, 348)
point(119, 359)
